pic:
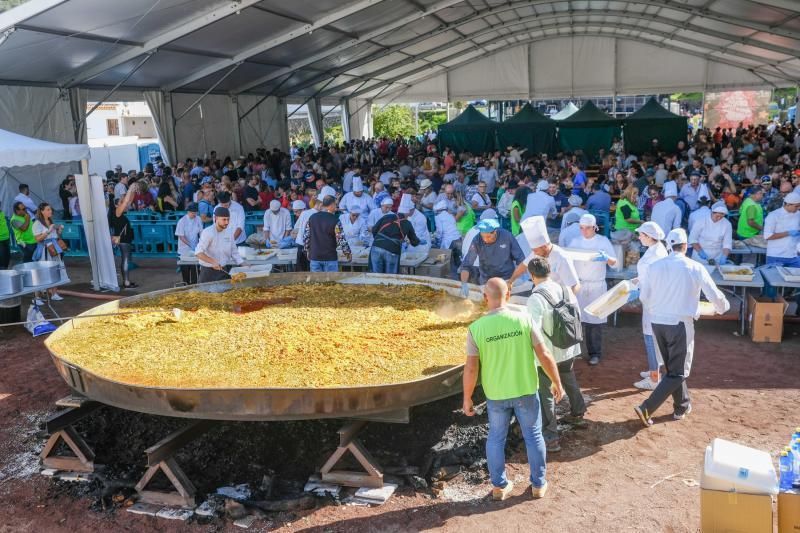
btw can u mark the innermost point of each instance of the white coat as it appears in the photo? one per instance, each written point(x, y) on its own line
point(277, 224)
point(779, 221)
point(592, 274)
point(653, 254)
point(712, 237)
point(446, 229)
point(354, 232)
point(420, 225)
point(350, 199)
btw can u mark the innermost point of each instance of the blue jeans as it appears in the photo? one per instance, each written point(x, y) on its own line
point(383, 261)
point(324, 266)
point(529, 418)
point(650, 348)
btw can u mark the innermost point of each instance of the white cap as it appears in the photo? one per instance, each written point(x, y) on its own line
point(677, 236)
point(406, 204)
point(719, 207)
point(489, 213)
point(298, 204)
point(441, 205)
point(670, 189)
point(354, 210)
point(571, 217)
point(651, 229)
point(327, 190)
point(575, 200)
point(703, 191)
point(535, 231)
point(543, 185)
point(426, 183)
point(588, 220)
point(358, 185)
point(792, 198)
point(387, 201)
point(274, 205)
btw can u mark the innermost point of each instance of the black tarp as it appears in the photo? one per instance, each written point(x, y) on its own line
point(589, 129)
point(529, 129)
point(471, 131)
point(650, 122)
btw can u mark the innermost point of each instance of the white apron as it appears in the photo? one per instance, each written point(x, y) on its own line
point(590, 291)
point(592, 275)
point(420, 225)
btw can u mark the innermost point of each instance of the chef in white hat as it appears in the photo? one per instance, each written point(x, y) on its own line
point(356, 197)
point(562, 268)
point(666, 213)
point(540, 203)
point(277, 223)
point(670, 292)
point(592, 276)
point(650, 235)
point(355, 227)
point(447, 234)
point(712, 237)
point(418, 222)
point(376, 214)
point(575, 203)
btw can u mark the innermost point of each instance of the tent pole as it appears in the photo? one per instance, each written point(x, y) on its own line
point(114, 88)
point(216, 84)
point(93, 258)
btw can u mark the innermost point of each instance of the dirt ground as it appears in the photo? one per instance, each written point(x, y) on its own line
point(613, 476)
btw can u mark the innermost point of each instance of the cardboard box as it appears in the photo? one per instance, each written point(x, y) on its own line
point(765, 317)
point(733, 512)
point(789, 512)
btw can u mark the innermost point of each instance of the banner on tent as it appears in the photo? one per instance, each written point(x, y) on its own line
point(728, 109)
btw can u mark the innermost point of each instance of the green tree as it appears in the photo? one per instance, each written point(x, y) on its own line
point(334, 135)
point(431, 120)
point(393, 120)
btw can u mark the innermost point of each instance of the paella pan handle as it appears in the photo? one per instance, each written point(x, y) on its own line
point(74, 377)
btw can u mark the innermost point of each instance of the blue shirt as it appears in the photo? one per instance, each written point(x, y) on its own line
point(599, 201)
point(498, 259)
point(578, 182)
point(205, 208)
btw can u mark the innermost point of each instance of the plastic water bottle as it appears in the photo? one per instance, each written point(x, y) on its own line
point(796, 462)
point(786, 471)
point(795, 435)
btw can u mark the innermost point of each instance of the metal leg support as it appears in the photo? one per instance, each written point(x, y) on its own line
point(159, 458)
point(372, 477)
point(60, 428)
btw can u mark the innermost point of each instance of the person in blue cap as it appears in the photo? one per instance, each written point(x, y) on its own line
point(498, 252)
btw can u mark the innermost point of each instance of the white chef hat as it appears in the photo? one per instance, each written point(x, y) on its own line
point(358, 185)
point(670, 189)
point(387, 201)
point(274, 205)
point(588, 220)
point(441, 205)
point(571, 218)
point(327, 190)
point(792, 198)
point(651, 229)
point(677, 236)
point(719, 207)
point(298, 204)
point(406, 204)
point(535, 231)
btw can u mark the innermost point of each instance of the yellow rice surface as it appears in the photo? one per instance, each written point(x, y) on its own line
point(327, 335)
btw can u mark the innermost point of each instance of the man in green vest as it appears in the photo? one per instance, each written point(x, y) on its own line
point(751, 214)
point(503, 347)
point(22, 226)
point(5, 242)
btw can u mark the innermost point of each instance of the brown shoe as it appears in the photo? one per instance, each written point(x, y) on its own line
point(501, 493)
point(538, 493)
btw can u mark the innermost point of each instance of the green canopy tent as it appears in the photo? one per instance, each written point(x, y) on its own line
point(650, 122)
point(589, 130)
point(471, 131)
point(529, 129)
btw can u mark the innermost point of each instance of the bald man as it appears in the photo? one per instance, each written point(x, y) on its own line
point(504, 347)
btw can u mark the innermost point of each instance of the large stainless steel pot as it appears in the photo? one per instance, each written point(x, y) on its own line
point(266, 403)
point(10, 281)
point(39, 273)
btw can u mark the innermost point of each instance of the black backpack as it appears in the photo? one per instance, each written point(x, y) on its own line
point(567, 330)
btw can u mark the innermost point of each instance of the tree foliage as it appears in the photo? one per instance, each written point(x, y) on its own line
point(431, 120)
point(392, 121)
point(334, 135)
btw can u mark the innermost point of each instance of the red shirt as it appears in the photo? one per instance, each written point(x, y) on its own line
point(264, 199)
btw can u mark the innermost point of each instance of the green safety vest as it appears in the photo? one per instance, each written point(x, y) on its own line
point(508, 362)
point(515, 227)
point(4, 235)
point(619, 220)
point(466, 222)
point(744, 229)
point(24, 237)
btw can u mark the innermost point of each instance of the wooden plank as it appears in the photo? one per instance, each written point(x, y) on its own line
point(148, 475)
point(73, 401)
point(333, 459)
point(170, 444)
point(178, 478)
point(172, 499)
point(77, 444)
point(67, 464)
point(364, 458)
point(353, 479)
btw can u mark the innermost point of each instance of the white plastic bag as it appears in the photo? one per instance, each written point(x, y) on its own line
point(36, 323)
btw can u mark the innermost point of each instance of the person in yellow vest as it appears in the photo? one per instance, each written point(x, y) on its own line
point(22, 226)
point(5, 242)
point(751, 214)
point(504, 348)
point(626, 216)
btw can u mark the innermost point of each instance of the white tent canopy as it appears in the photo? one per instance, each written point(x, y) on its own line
point(337, 52)
point(569, 110)
point(20, 151)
